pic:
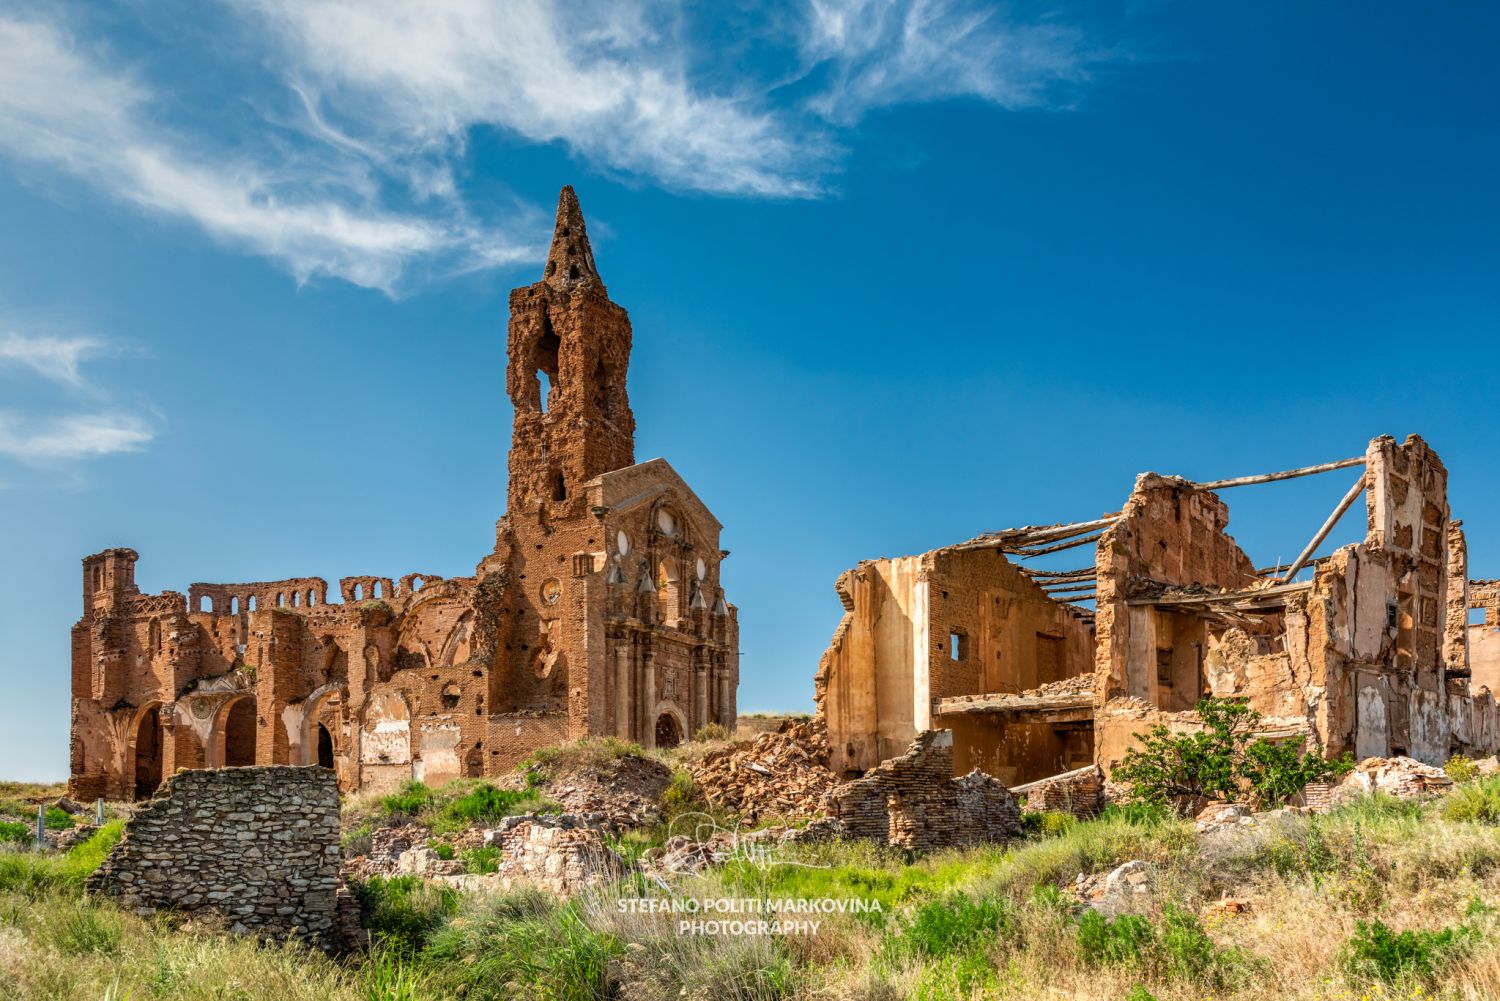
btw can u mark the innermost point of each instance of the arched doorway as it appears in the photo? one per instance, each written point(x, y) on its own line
point(668, 733)
point(239, 733)
point(148, 753)
point(325, 747)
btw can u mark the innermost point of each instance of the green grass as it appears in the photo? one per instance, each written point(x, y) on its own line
point(35, 875)
point(456, 807)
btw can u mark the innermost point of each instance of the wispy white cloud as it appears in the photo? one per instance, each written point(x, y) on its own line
point(879, 53)
point(349, 162)
point(62, 107)
point(611, 79)
point(74, 436)
point(55, 358)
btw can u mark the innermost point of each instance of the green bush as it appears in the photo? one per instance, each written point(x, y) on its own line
point(1374, 952)
point(442, 849)
point(36, 876)
point(487, 804)
point(1221, 761)
point(58, 819)
point(403, 912)
point(1476, 802)
point(485, 858)
point(15, 832)
point(1124, 941)
point(1460, 769)
point(956, 924)
point(1177, 948)
point(411, 800)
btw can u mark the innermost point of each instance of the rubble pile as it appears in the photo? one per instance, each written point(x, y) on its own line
point(624, 791)
point(780, 774)
point(1400, 777)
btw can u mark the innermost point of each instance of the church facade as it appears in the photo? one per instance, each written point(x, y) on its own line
point(599, 611)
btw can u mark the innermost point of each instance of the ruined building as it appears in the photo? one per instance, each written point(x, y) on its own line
point(1039, 672)
point(599, 612)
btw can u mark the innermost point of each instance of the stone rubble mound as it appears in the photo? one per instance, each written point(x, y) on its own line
point(779, 774)
point(1401, 777)
point(624, 791)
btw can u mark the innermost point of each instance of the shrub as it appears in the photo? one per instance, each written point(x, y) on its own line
point(487, 804)
point(1476, 802)
point(15, 832)
point(955, 924)
point(1460, 769)
point(711, 731)
point(58, 819)
point(485, 858)
point(409, 801)
point(403, 912)
point(1220, 761)
point(1374, 952)
point(442, 849)
point(1124, 941)
point(1177, 948)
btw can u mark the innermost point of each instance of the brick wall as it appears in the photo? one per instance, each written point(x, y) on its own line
point(913, 802)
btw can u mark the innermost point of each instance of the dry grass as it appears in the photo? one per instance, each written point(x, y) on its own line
point(1303, 882)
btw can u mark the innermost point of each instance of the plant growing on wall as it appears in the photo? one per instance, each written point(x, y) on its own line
point(1222, 760)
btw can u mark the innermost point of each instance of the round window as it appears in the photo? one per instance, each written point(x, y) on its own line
point(551, 590)
point(702, 569)
point(666, 522)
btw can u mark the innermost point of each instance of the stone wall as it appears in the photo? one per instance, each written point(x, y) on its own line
point(258, 846)
point(913, 802)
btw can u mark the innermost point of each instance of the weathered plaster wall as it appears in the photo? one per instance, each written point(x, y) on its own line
point(948, 622)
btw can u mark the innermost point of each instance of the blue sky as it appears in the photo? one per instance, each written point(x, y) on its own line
point(899, 274)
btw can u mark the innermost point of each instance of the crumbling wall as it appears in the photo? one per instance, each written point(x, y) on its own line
point(256, 846)
point(913, 801)
point(1378, 628)
point(1483, 638)
point(1170, 534)
point(955, 621)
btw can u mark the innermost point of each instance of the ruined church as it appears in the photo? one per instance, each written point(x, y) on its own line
point(599, 612)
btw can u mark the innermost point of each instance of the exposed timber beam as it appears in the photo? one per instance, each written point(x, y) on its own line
point(1080, 572)
point(1070, 544)
point(1012, 539)
point(1254, 596)
point(1333, 519)
point(1290, 474)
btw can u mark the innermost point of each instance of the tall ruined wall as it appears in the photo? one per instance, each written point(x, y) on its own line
point(1378, 615)
point(1157, 660)
point(259, 847)
point(1483, 637)
point(948, 622)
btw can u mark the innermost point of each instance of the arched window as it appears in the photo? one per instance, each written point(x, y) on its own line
point(205, 603)
point(559, 487)
point(234, 605)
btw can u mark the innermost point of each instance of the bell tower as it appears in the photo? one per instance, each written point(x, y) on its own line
point(569, 349)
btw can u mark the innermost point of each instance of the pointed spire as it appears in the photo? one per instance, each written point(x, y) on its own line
point(570, 262)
